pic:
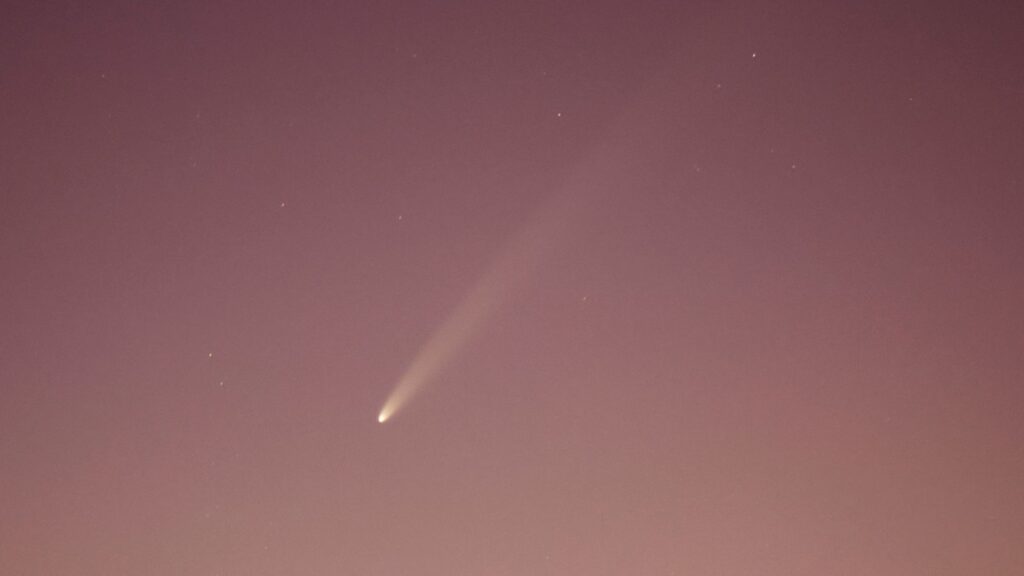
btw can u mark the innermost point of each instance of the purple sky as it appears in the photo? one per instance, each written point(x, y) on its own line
point(753, 271)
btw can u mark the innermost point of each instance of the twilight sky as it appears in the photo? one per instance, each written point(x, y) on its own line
point(706, 288)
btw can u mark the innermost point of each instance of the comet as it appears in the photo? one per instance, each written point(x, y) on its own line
point(550, 227)
point(599, 174)
point(510, 270)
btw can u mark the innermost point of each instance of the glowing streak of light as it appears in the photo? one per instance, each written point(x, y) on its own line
point(598, 176)
point(510, 270)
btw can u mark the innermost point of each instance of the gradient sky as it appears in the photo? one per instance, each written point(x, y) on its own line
point(771, 320)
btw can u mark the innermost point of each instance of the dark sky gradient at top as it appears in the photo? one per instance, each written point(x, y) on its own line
point(781, 330)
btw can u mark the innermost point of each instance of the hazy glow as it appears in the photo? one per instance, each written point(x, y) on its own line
point(462, 324)
point(550, 227)
point(510, 270)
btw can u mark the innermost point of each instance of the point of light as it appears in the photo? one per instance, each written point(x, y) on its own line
point(382, 417)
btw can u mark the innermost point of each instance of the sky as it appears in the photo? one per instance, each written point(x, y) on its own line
point(682, 288)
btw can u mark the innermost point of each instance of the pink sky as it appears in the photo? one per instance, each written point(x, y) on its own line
point(753, 275)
